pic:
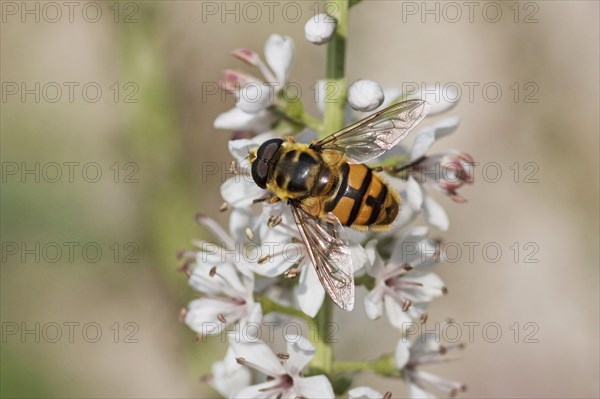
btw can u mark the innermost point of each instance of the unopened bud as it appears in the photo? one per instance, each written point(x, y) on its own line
point(320, 29)
point(365, 95)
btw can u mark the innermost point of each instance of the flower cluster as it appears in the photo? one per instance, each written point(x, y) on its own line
point(259, 268)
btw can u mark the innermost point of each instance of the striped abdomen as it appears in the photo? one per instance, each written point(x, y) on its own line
point(363, 199)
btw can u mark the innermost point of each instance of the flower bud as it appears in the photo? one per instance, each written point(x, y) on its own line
point(319, 29)
point(447, 172)
point(233, 80)
point(365, 95)
point(248, 56)
point(253, 97)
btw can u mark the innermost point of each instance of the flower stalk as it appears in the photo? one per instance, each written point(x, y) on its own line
point(335, 89)
point(384, 365)
point(269, 306)
point(333, 120)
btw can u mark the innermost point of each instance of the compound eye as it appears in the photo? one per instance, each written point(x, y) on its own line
point(260, 166)
point(260, 171)
point(268, 149)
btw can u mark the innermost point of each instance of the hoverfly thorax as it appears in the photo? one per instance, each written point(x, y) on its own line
point(297, 170)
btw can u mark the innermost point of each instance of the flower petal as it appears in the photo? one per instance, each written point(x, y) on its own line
point(402, 353)
point(301, 351)
point(423, 142)
point(416, 392)
point(279, 52)
point(256, 314)
point(445, 127)
point(310, 292)
point(431, 286)
point(239, 220)
point(254, 97)
point(240, 148)
point(317, 386)
point(414, 193)
point(258, 391)
point(364, 393)
point(239, 193)
point(441, 98)
point(202, 315)
point(396, 316)
point(425, 138)
point(374, 303)
point(236, 119)
point(229, 377)
point(410, 246)
point(258, 353)
point(435, 214)
point(359, 256)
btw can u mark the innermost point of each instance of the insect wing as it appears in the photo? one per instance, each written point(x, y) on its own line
point(370, 137)
point(327, 247)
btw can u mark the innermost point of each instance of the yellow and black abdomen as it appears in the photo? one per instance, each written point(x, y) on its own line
point(363, 199)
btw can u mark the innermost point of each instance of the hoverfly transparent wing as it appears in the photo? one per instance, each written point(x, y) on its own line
point(327, 247)
point(372, 136)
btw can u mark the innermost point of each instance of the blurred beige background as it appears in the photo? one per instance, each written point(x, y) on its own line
point(170, 52)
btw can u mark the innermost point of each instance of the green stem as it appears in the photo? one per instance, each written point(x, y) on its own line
point(333, 120)
point(306, 120)
point(335, 89)
point(366, 280)
point(384, 365)
point(268, 306)
point(312, 122)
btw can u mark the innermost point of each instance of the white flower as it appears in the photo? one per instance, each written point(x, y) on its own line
point(446, 172)
point(284, 370)
point(282, 252)
point(449, 176)
point(240, 191)
point(228, 376)
point(320, 29)
point(229, 301)
point(228, 295)
point(237, 119)
point(365, 95)
point(404, 285)
point(426, 349)
point(254, 97)
point(417, 169)
point(279, 52)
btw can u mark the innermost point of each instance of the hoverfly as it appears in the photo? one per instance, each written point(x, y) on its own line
point(328, 186)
